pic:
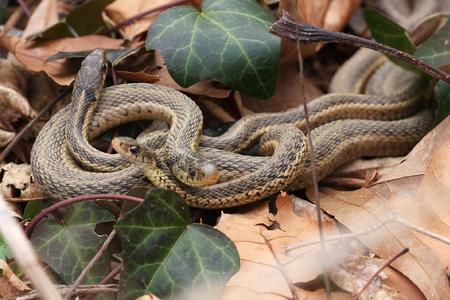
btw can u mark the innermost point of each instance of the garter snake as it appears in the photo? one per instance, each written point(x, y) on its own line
point(400, 92)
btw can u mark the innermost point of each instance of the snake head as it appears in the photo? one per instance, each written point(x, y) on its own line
point(133, 151)
point(195, 171)
point(92, 75)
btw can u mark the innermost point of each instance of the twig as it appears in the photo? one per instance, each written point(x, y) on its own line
point(24, 254)
point(140, 15)
point(111, 274)
point(82, 290)
point(312, 158)
point(7, 124)
point(370, 230)
point(339, 237)
point(293, 30)
point(73, 200)
point(24, 7)
point(422, 231)
point(91, 263)
point(405, 250)
point(11, 145)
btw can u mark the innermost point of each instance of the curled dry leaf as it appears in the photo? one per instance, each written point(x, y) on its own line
point(10, 285)
point(328, 14)
point(34, 55)
point(266, 270)
point(416, 190)
point(44, 16)
point(6, 137)
point(17, 183)
point(13, 87)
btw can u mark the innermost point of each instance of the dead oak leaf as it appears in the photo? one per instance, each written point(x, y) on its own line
point(417, 192)
point(266, 270)
point(10, 284)
point(34, 55)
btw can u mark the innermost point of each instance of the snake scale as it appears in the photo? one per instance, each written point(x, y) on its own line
point(347, 125)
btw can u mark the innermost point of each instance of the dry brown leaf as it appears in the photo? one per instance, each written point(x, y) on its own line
point(121, 10)
point(288, 92)
point(6, 137)
point(328, 14)
point(140, 76)
point(13, 103)
point(44, 16)
point(17, 183)
point(10, 284)
point(266, 271)
point(34, 55)
point(417, 192)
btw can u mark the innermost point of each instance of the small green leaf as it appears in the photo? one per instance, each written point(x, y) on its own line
point(164, 255)
point(4, 250)
point(444, 102)
point(68, 245)
point(389, 33)
point(82, 20)
point(33, 208)
point(228, 41)
point(436, 50)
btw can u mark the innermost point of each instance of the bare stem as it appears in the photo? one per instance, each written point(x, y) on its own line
point(111, 274)
point(387, 263)
point(73, 200)
point(91, 289)
point(293, 30)
point(24, 7)
point(91, 263)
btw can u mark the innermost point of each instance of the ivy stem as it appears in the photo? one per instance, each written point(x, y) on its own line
point(293, 30)
point(91, 264)
point(77, 199)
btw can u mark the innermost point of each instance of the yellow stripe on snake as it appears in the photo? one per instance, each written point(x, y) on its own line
point(384, 122)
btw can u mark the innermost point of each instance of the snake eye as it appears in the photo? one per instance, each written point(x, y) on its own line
point(134, 149)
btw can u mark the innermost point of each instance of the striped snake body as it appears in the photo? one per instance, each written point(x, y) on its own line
point(242, 178)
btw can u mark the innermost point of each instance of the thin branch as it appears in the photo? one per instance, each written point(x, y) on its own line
point(91, 264)
point(423, 231)
point(73, 200)
point(339, 237)
point(374, 275)
point(140, 15)
point(312, 158)
point(111, 274)
point(82, 290)
point(24, 254)
point(293, 30)
point(17, 138)
point(24, 7)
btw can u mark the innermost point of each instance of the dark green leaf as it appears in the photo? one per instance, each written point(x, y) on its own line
point(3, 5)
point(228, 41)
point(387, 32)
point(436, 50)
point(82, 20)
point(4, 250)
point(68, 245)
point(163, 254)
point(444, 102)
point(32, 209)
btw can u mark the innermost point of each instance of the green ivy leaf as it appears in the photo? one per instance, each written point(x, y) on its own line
point(68, 245)
point(387, 32)
point(33, 208)
point(164, 255)
point(82, 20)
point(436, 50)
point(4, 250)
point(228, 41)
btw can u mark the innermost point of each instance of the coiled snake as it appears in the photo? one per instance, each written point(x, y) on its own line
point(348, 125)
